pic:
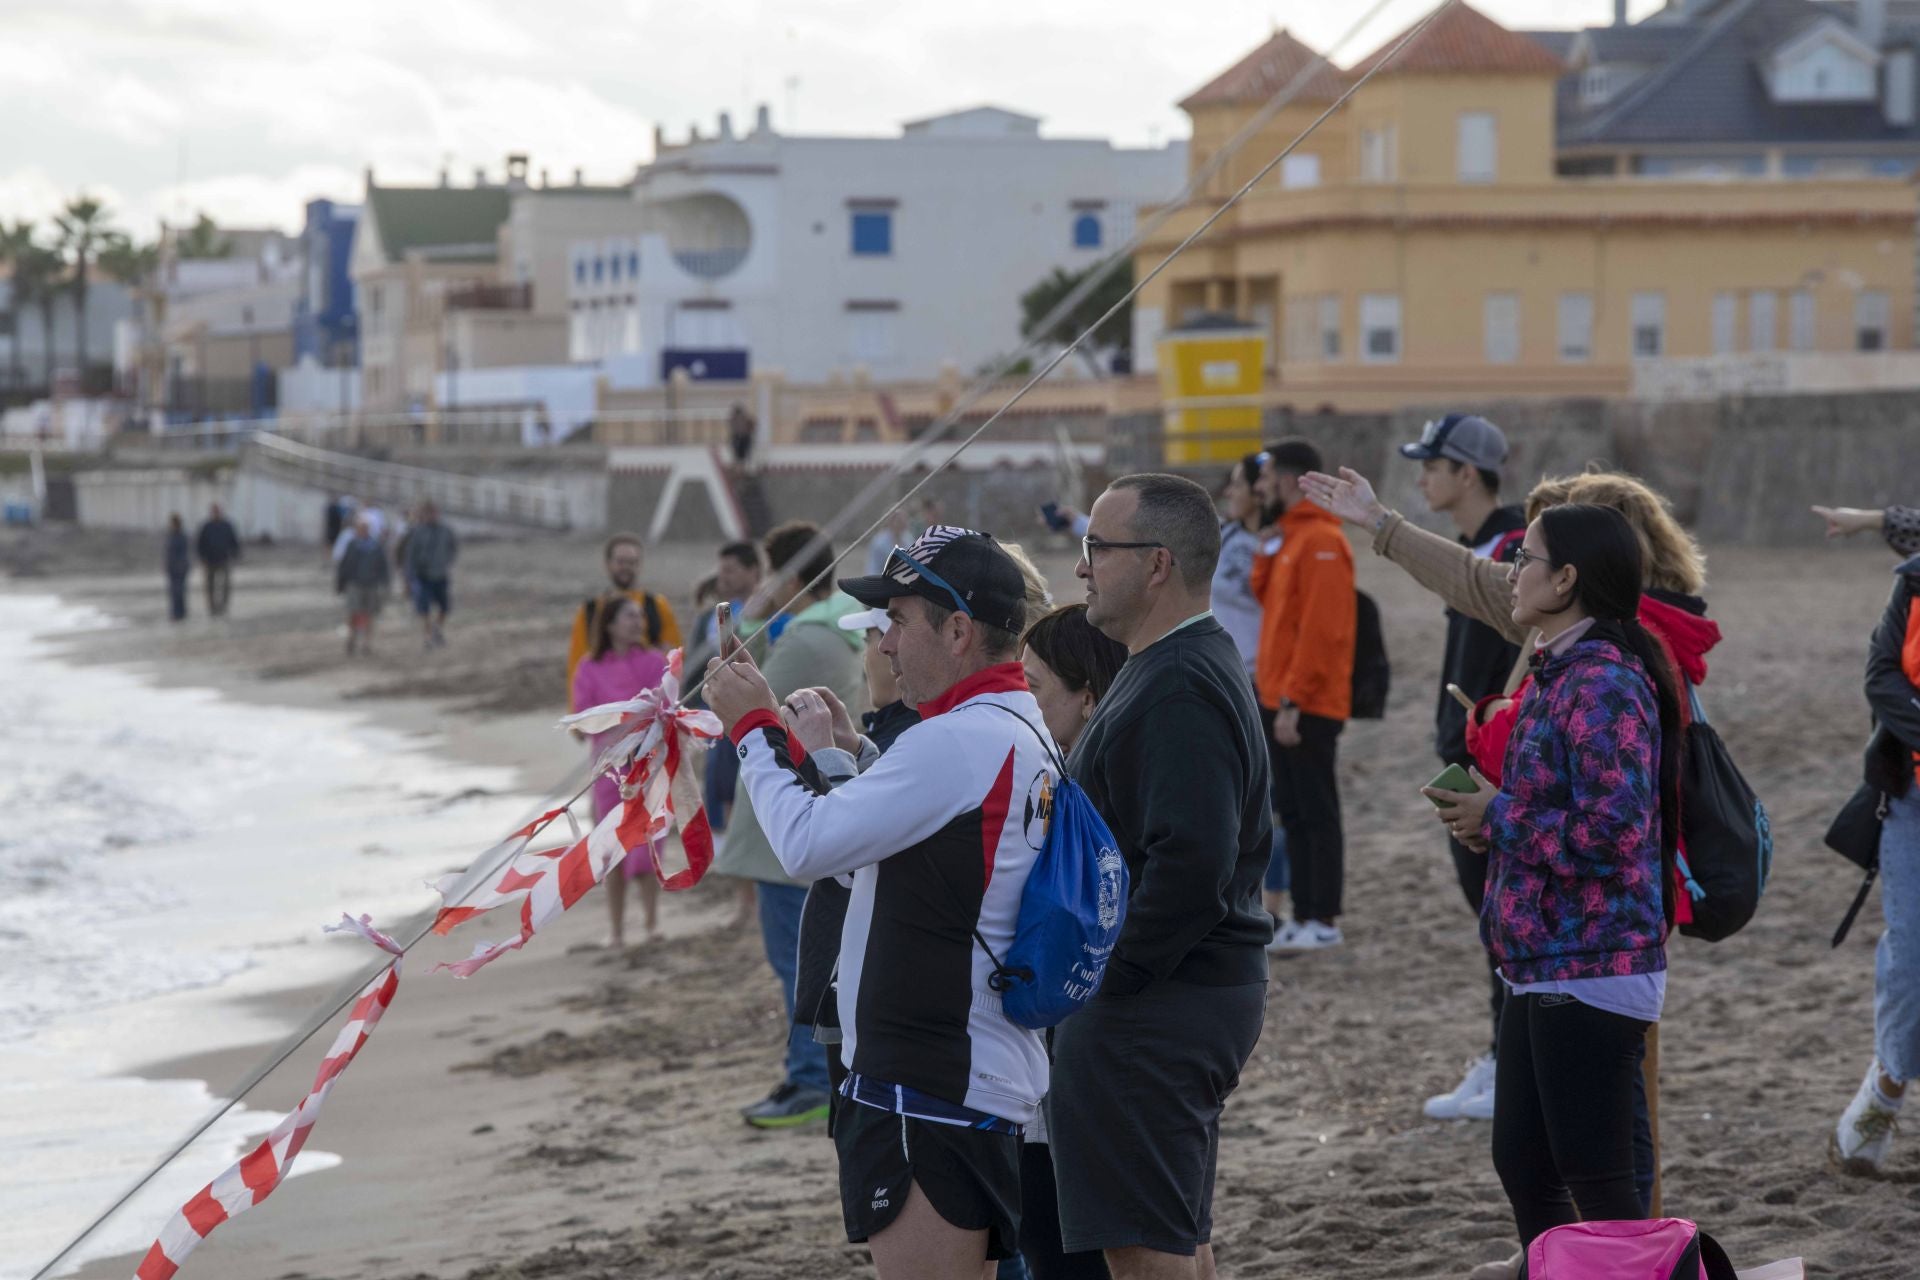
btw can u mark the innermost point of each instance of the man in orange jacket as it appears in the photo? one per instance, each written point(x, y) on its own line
point(1303, 575)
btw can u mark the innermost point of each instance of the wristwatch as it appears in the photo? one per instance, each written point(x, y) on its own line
point(1380, 521)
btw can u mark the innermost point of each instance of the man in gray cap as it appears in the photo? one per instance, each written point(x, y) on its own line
point(1461, 457)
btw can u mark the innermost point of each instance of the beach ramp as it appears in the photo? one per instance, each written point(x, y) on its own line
point(494, 500)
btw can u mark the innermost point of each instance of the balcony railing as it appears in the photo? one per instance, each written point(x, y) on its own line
point(491, 297)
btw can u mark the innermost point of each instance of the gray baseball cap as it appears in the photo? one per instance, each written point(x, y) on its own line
point(1462, 437)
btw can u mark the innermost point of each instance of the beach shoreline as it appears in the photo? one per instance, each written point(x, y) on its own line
point(572, 1114)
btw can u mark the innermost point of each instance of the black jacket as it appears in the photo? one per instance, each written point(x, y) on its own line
point(217, 544)
point(1894, 699)
point(179, 554)
point(1477, 657)
point(1176, 761)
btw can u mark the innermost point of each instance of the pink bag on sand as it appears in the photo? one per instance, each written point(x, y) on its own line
point(1660, 1249)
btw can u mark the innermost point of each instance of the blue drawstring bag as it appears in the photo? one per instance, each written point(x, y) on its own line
point(1071, 909)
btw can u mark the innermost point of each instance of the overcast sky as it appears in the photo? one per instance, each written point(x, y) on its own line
point(247, 108)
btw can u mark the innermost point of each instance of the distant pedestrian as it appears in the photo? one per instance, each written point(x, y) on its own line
point(335, 519)
point(179, 563)
point(362, 577)
point(623, 556)
point(620, 665)
point(736, 577)
point(740, 430)
point(430, 550)
point(218, 547)
point(1174, 760)
point(1308, 623)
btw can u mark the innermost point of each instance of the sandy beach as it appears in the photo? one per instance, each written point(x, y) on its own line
point(572, 1114)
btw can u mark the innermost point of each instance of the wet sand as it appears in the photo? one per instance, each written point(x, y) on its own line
point(573, 1114)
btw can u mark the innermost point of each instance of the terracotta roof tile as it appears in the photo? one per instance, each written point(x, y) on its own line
point(1264, 72)
point(1463, 40)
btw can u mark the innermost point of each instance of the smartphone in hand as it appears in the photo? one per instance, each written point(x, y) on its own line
point(1453, 778)
point(1050, 512)
point(723, 628)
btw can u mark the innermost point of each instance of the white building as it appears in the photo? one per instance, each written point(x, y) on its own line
point(812, 255)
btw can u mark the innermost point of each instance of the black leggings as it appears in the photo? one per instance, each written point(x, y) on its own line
point(1563, 1103)
point(1040, 1223)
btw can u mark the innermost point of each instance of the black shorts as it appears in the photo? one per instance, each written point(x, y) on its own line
point(1133, 1114)
point(429, 593)
point(971, 1178)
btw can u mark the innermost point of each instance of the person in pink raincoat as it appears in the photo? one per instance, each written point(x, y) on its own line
point(619, 665)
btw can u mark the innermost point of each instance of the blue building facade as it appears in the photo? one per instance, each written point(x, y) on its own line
point(325, 323)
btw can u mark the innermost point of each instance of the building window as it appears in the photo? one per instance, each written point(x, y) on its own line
point(580, 271)
point(599, 269)
point(872, 232)
point(1478, 151)
point(1726, 320)
point(1870, 316)
point(1377, 154)
point(872, 331)
point(1576, 328)
point(1300, 171)
point(1501, 317)
point(1330, 326)
point(1763, 320)
point(1649, 324)
point(1801, 320)
point(633, 265)
point(1086, 231)
point(613, 267)
point(1380, 328)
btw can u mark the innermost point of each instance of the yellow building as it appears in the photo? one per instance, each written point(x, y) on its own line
point(1419, 247)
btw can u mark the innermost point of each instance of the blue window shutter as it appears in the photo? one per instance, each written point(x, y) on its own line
point(873, 233)
point(633, 266)
point(1086, 231)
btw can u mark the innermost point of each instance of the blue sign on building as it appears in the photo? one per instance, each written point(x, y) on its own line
point(325, 325)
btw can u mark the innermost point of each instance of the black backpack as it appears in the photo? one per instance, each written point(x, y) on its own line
point(1729, 852)
point(1371, 673)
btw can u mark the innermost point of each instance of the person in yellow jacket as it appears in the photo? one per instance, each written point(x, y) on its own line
point(1303, 576)
point(624, 555)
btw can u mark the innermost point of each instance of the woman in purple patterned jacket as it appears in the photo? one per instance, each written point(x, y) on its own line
point(1580, 837)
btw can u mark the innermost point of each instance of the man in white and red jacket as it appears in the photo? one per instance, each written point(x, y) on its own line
point(936, 839)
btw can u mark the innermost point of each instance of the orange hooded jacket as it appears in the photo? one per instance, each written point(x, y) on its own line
point(1307, 616)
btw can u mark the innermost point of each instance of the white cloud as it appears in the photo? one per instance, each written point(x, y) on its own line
point(229, 105)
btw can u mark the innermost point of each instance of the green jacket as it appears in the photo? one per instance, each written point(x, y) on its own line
point(812, 652)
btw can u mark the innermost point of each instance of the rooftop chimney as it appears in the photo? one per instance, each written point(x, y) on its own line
point(726, 127)
point(369, 177)
point(446, 176)
point(543, 179)
point(762, 119)
point(1873, 22)
point(479, 175)
point(579, 176)
point(1619, 13)
point(517, 169)
point(659, 140)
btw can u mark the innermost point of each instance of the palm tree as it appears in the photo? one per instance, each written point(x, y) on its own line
point(83, 228)
point(202, 240)
point(15, 241)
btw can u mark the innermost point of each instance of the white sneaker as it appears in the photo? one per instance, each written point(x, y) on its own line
point(1283, 931)
point(1506, 1270)
point(1860, 1141)
point(1475, 1090)
point(1306, 935)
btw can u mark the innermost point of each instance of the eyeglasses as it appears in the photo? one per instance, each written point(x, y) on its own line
point(959, 601)
point(1090, 545)
point(1523, 557)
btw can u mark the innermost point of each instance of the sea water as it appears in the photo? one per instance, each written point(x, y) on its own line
point(165, 854)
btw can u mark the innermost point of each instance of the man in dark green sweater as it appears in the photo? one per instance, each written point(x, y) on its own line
point(1176, 762)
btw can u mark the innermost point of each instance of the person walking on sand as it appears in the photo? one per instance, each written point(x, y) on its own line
point(218, 547)
point(1460, 457)
point(363, 578)
point(623, 555)
point(178, 559)
point(430, 551)
point(1863, 1135)
point(812, 652)
point(1308, 623)
point(618, 666)
point(1174, 758)
point(941, 1081)
point(1581, 836)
